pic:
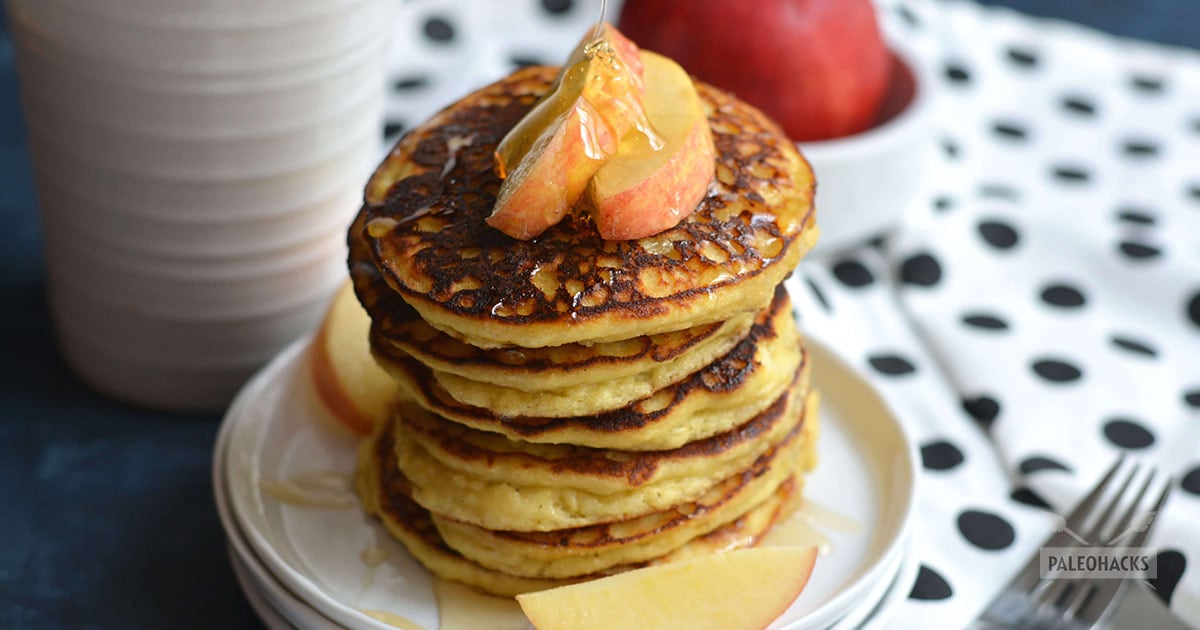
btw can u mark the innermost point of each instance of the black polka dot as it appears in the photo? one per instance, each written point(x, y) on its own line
point(1010, 130)
point(1080, 105)
point(1128, 433)
point(1146, 83)
point(984, 409)
point(1193, 191)
point(984, 321)
point(438, 29)
point(999, 191)
point(392, 128)
point(410, 83)
point(986, 530)
point(853, 273)
point(1135, 346)
point(908, 16)
point(558, 7)
point(1029, 497)
point(1022, 57)
point(1139, 148)
point(943, 203)
point(1171, 565)
point(1192, 398)
point(930, 586)
point(891, 364)
point(1063, 295)
point(1191, 481)
point(1037, 463)
point(950, 148)
point(525, 61)
point(818, 294)
point(1071, 174)
point(998, 234)
point(1136, 216)
point(1138, 251)
point(1056, 370)
point(1193, 309)
point(940, 455)
point(956, 73)
point(921, 270)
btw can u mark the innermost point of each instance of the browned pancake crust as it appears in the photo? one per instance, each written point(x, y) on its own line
point(426, 206)
point(451, 443)
point(385, 493)
point(724, 376)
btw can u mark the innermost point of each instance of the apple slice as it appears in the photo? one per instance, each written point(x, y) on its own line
point(644, 190)
point(549, 157)
point(745, 588)
point(350, 385)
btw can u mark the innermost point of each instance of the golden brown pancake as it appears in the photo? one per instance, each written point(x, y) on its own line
point(483, 479)
point(583, 550)
point(659, 359)
point(760, 366)
point(424, 224)
point(664, 357)
point(384, 491)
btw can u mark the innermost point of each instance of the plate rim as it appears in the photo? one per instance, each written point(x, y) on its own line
point(288, 363)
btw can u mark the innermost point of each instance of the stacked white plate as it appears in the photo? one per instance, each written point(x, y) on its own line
point(308, 557)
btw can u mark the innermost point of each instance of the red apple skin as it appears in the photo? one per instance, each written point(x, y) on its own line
point(665, 198)
point(820, 68)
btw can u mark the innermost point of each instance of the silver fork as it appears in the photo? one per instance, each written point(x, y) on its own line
point(1032, 601)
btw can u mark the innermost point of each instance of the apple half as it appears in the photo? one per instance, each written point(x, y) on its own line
point(549, 157)
point(350, 385)
point(646, 189)
point(741, 589)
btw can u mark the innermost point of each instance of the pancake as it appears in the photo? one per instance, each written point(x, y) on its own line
point(397, 327)
point(426, 204)
point(662, 358)
point(486, 480)
point(584, 550)
point(762, 363)
point(384, 493)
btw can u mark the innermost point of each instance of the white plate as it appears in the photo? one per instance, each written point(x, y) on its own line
point(868, 607)
point(270, 617)
point(261, 587)
point(898, 591)
point(277, 432)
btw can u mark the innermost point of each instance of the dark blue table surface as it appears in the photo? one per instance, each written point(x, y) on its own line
point(106, 511)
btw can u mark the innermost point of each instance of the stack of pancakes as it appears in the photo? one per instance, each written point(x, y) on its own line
point(572, 407)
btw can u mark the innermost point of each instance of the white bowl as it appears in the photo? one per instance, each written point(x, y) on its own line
point(867, 180)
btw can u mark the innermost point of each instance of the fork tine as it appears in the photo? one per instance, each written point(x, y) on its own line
point(1126, 521)
point(1018, 603)
point(1055, 601)
point(1110, 593)
point(1083, 509)
point(1030, 575)
point(1093, 535)
point(1139, 539)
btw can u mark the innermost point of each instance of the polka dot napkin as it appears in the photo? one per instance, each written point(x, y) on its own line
point(1039, 311)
